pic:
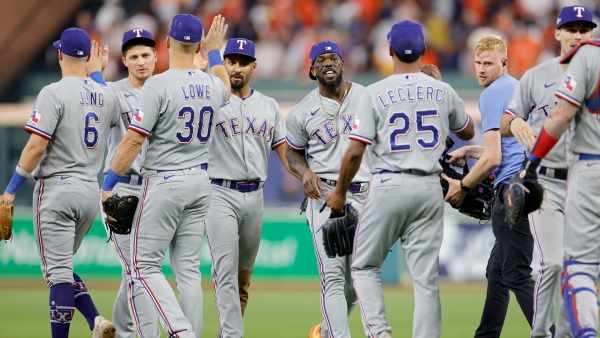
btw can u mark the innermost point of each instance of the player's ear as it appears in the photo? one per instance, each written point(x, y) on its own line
point(391, 52)
point(312, 71)
point(60, 55)
point(168, 41)
point(123, 60)
point(254, 64)
point(557, 34)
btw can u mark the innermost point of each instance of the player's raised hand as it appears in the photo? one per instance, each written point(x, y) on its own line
point(200, 60)
point(94, 63)
point(312, 184)
point(214, 39)
point(104, 57)
point(523, 132)
point(433, 71)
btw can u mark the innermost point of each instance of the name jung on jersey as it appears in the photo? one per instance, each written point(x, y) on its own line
point(91, 99)
point(411, 94)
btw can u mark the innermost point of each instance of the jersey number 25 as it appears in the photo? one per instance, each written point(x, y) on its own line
point(395, 146)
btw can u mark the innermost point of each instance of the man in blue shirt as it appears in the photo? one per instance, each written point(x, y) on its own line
point(509, 266)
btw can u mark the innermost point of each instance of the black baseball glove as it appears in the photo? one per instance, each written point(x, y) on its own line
point(338, 232)
point(523, 196)
point(122, 211)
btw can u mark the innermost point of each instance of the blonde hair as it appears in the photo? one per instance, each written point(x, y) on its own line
point(490, 43)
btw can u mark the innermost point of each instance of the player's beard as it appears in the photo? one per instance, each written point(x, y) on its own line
point(238, 85)
point(331, 85)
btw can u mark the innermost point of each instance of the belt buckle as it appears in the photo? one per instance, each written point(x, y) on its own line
point(237, 186)
point(363, 186)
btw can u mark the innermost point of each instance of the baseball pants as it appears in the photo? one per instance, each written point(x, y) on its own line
point(508, 269)
point(410, 208)
point(170, 215)
point(338, 297)
point(233, 229)
point(547, 228)
point(582, 248)
point(129, 298)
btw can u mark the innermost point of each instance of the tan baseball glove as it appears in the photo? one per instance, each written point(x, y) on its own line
point(6, 215)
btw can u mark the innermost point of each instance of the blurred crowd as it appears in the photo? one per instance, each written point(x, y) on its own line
point(284, 30)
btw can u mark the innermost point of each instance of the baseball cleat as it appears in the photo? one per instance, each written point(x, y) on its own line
point(315, 332)
point(385, 334)
point(103, 328)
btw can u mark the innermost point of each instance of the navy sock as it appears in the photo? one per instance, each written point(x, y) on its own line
point(83, 301)
point(62, 309)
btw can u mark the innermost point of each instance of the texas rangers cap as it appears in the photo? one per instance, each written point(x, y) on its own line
point(74, 42)
point(323, 47)
point(186, 28)
point(137, 36)
point(407, 38)
point(574, 13)
point(240, 46)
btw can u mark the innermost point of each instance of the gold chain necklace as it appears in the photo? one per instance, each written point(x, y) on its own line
point(331, 117)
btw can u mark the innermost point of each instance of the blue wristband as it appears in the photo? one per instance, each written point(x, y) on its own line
point(16, 182)
point(214, 58)
point(97, 77)
point(110, 180)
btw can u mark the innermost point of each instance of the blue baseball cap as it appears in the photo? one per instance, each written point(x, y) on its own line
point(574, 13)
point(322, 47)
point(240, 46)
point(74, 42)
point(406, 38)
point(137, 36)
point(186, 28)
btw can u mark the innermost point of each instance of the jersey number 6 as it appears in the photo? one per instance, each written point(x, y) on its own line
point(421, 128)
point(187, 136)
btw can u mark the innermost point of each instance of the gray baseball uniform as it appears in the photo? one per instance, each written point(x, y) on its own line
point(245, 132)
point(176, 111)
point(534, 100)
point(580, 87)
point(311, 126)
point(406, 117)
point(75, 115)
point(127, 97)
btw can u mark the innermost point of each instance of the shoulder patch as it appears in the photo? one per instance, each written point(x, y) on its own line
point(35, 117)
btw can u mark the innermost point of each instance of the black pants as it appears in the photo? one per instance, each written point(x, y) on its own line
point(508, 269)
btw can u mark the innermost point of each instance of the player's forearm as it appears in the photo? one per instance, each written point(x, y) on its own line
point(350, 165)
point(482, 169)
point(31, 156)
point(220, 72)
point(297, 163)
point(475, 152)
point(281, 150)
point(560, 119)
point(127, 151)
point(504, 125)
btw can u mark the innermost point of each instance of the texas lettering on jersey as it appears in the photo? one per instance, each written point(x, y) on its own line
point(249, 126)
point(327, 132)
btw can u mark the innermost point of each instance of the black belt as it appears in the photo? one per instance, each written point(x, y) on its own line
point(239, 186)
point(203, 166)
point(407, 171)
point(354, 187)
point(560, 174)
point(589, 157)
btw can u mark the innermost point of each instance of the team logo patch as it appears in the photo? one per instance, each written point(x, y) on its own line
point(61, 314)
point(570, 83)
point(35, 117)
point(409, 77)
point(356, 124)
point(138, 116)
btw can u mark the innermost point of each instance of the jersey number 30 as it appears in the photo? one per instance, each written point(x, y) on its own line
point(188, 135)
point(421, 128)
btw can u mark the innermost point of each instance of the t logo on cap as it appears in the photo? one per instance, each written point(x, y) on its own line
point(579, 10)
point(138, 32)
point(242, 43)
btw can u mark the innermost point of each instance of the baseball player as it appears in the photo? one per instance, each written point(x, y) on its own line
point(247, 128)
point(319, 125)
point(175, 111)
point(405, 117)
point(69, 127)
point(579, 99)
point(533, 100)
point(139, 57)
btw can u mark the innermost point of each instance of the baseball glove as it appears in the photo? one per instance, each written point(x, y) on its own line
point(6, 214)
point(523, 196)
point(338, 232)
point(122, 211)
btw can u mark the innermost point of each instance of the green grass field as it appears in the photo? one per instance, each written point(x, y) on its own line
point(272, 312)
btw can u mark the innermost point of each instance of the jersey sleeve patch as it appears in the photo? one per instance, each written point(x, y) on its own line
point(138, 116)
point(359, 138)
point(35, 117)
